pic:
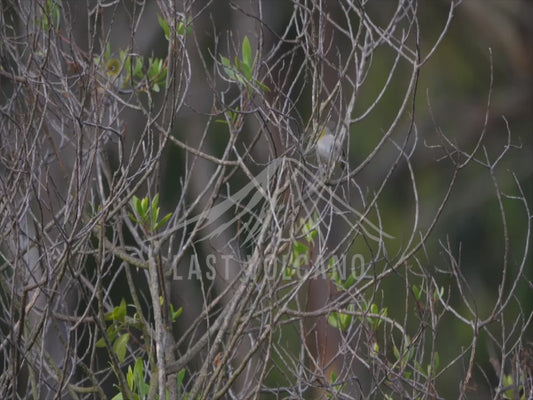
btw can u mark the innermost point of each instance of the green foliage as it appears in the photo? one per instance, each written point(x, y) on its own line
point(373, 320)
point(181, 378)
point(430, 370)
point(299, 257)
point(140, 388)
point(181, 27)
point(301, 252)
point(147, 215)
point(136, 379)
point(120, 346)
point(512, 388)
point(166, 27)
point(404, 357)
point(309, 228)
point(341, 284)
point(119, 324)
point(341, 320)
point(438, 293)
point(136, 382)
point(335, 382)
point(119, 332)
point(133, 72)
point(232, 116)
point(242, 71)
point(417, 292)
point(247, 62)
point(51, 15)
point(174, 314)
point(118, 314)
point(157, 73)
point(134, 66)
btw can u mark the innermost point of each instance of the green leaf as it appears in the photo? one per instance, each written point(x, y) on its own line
point(51, 16)
point(57, 15)
point(144, 206)
point(136, 204)
point(300, 248)
point(247, 53)
point(333, 319)
point(123, 55)
point(228, 68)
point(162, 77)
point(112, 332)
point(334, 276)
point(132, 217)
point(121, 346)
point(247, 72)
point(138, 370)
point(350, 281)
point(155, 202)
point(240, 79)
point(154, 67)
point(396, 352)
point(417, 292)
point(375, 347)
point(225, 61)
point(107, 51)
point(238, 76)
point(346, 320)
point(263, 86)
point(155, 215)
point(180, 28)
point(177, 313)
point(166, 27)
point(300, 255)
point(438, 293)
point(120, 312)
point(137, 71)
point(309, 228)
point(290, 272)
point(181, 377)
point(138, 379)
point(163, 221)
point(341, 320)
point(376, 321)
point(129, 377)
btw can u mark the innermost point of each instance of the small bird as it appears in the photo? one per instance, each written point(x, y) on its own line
point(329, 151)
point(110, 78)
point(113, 70)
